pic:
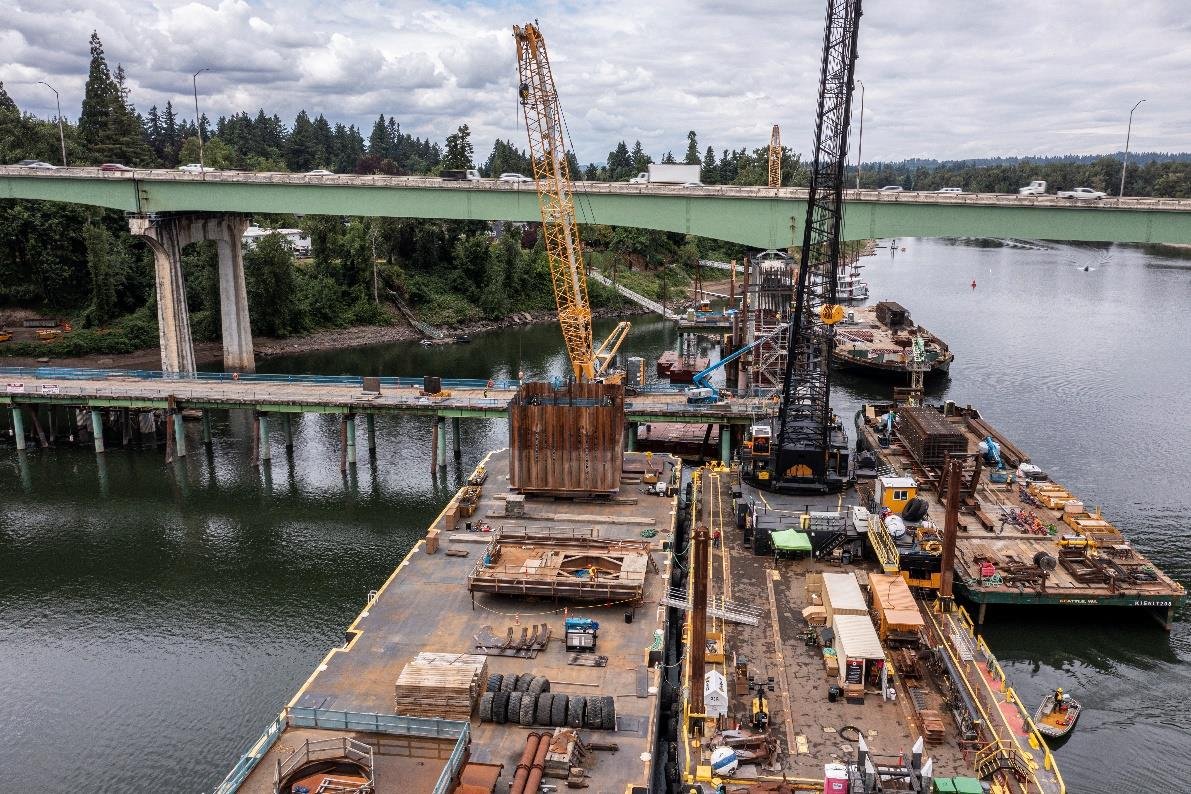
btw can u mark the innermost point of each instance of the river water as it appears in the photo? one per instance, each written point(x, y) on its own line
point(154, 618)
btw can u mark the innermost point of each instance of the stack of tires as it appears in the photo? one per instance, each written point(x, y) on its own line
point(526, 699)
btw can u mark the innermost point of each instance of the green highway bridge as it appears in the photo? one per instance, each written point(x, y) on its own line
point(755, 216)
point(111, 395)
point(169, 210)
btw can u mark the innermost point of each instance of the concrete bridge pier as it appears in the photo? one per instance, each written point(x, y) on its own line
point(167, 235)
point(455, 439)
point(97, 429)
point(18, 426)
point(725, 443)
point(630, 443)
point(263, 428)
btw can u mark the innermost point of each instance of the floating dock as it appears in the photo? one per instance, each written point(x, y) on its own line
point(1023, 539)
point(437, 684)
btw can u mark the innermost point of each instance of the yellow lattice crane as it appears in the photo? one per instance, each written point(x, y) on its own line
point(775, 157)
point(551, 174)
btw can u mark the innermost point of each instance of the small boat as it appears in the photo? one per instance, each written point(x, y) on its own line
point(1053, 721)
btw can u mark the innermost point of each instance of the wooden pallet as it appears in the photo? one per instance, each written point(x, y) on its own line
point(440, 685)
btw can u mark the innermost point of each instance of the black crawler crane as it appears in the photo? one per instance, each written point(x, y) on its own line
point(810, 452)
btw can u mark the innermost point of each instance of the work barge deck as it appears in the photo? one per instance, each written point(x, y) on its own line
point(943, 712)
point(531, 562)
point(1023, 539)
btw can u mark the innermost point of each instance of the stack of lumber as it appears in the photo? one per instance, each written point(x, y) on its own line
point(441, 685)
point(933, 731)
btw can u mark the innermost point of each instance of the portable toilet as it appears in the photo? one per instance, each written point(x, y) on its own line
point(895, 492)
point(715, 694)
point(835, 779)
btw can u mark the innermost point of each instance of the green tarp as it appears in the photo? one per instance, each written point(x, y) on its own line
point(791, 540)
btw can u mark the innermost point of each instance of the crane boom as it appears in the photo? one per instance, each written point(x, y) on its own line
point(811, 449)
point(775, 157)
point(551, 174)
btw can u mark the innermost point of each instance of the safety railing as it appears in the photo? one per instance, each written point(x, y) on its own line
point(457, 731)
point(1036, 740)
point(883, 545)
point(340, 747)
point(251, 757)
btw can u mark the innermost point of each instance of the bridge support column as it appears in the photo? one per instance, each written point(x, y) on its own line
point(179, 435)
point(288, 424)
point(370, 422)
point(351, 440)
point(167, 235)
point(18, 426)
point(725, 443)
point(97, 429)
point(456, 441)
point(207, 427)
point(434, 446)
point(166, 239)
point(442, 442)
point(630, 444)
point(238, 355)
point(263, 420)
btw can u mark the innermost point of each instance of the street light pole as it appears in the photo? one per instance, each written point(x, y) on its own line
point(197, 126)
point(860, 142)
point(61, 136)
point(1128, 135)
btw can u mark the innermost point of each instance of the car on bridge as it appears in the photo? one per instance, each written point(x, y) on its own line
point(35, 164)
point(114, 167)
point(1082, 193)
point(320, 172)
point(891, 189)
point(950, 190)
point(514, 178)
point(195, 168)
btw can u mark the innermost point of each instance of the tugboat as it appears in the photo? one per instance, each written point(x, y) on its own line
point(1056, 715)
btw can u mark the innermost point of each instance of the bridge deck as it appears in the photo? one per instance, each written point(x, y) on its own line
point(104, 390)
point(759, 216)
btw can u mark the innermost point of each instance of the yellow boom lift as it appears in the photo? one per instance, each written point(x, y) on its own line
point(775, 157)
point(551, 175)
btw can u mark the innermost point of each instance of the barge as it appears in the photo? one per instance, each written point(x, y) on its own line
point(1023, 539)
point(881, 339)
point(804, 639)
point(520, 627)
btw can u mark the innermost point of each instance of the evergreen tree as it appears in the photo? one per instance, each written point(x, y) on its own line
point(378, 141)
point(641, 160)
point(620, 164)
point(692, 149)
point(171, 136)
point(109, 126)
point(459, 149)
point(393, 140)
point(303, 151)
point(711, 172)
point(668, 158)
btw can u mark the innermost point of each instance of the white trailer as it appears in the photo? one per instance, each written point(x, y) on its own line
point(668, 174)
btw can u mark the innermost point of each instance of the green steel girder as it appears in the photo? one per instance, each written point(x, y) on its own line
point(745, 217)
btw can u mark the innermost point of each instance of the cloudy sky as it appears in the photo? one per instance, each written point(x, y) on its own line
point(944, 79)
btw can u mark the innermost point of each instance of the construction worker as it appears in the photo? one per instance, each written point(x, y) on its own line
point(715, 538)
point(1060, 700)
point(592, 572)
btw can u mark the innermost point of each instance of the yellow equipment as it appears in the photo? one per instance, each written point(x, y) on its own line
point(5, 335)
point(775, 157)
point(551, 175)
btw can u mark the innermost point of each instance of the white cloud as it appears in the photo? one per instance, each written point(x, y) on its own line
point(946, 80)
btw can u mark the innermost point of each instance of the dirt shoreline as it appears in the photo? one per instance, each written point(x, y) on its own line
point(331, 339)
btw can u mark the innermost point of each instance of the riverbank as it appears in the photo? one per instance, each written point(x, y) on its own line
point(207, 353)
